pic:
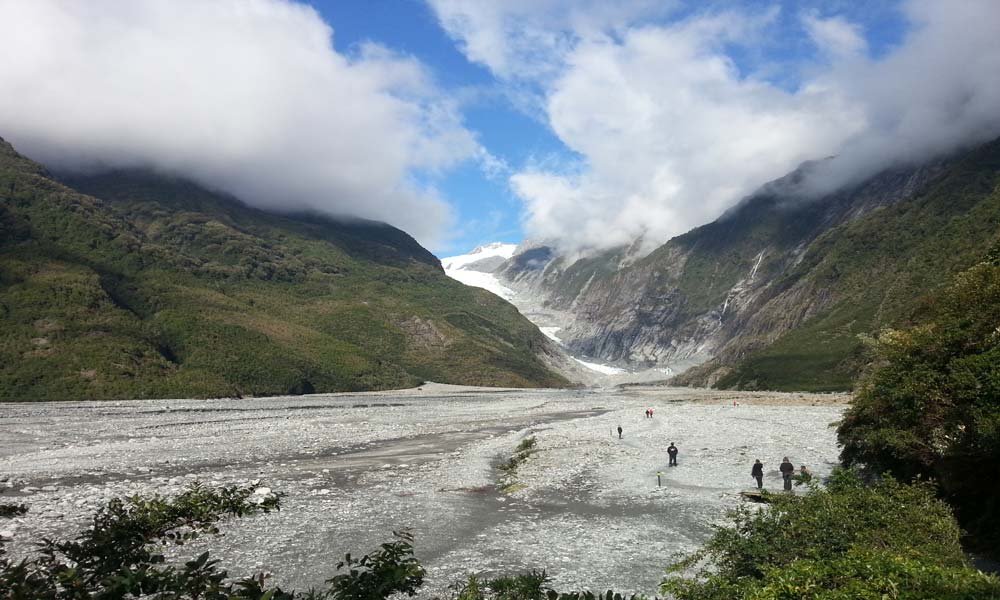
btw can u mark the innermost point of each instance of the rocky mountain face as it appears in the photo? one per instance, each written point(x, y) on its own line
point(133, 285)
point(775, 293)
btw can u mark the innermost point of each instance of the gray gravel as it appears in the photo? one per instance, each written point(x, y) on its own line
point(358, 466)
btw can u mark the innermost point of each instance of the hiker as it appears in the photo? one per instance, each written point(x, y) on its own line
point(619, 432)
point(672, 451)
point(647, 413)
point(757, 472)
point(787, 469)
point(651, 413)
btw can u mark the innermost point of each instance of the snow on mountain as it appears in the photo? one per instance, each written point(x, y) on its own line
point(487, 281)
point(605, 369)
point(464, 267)
point(550, 332)
point(497, 249)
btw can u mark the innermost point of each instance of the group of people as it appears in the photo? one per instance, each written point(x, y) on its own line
point(786, 467)
point(787, 472)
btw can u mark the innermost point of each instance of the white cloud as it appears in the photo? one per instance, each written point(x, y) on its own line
point(938, 92)
point(835, 35)
point(671, 132)
point(523, 39)
point(246, 96)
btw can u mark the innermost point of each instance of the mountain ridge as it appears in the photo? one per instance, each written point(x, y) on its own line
point(160, 288)
point(723, 294)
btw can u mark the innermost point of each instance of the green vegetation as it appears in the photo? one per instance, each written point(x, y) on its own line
point(8, 510)
point(929, 407)
point(843, 542)
point(846, 541)
point(118, 557)
point(873, 272)
point(153, 287)
point(532, 585)
point(508, 481)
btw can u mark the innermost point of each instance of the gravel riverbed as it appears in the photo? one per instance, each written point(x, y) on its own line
point(355, 467)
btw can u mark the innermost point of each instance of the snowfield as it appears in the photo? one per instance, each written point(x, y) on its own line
point(487, 281)
point(463, 268)
point(358, 466)
point(605, 369)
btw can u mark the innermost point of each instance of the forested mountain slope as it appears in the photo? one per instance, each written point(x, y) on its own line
point(132, 285)
point(774, 293)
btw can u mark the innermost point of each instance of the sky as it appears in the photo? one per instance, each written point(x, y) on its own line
point(584, 124)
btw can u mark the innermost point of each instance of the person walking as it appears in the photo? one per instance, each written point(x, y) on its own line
point(619, 432)
point(787, 469)
point(757, 472)
point(672, 452)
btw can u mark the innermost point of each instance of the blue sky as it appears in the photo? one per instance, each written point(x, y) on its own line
point(487, 209)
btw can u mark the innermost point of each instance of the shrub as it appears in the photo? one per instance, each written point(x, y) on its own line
point(849, 540)
point(930, 406)
point(117, 556)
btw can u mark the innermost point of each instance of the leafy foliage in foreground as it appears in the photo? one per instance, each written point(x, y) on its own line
point(118, 556)
point(930, 406)
point(846, 541)
point(144, 286)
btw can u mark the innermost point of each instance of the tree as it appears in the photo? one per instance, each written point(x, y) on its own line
point(929, 407)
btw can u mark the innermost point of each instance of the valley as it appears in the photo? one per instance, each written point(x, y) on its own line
point(776, 293)
point(585, 505)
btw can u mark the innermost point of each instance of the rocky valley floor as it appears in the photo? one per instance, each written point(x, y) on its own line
point(585, 506)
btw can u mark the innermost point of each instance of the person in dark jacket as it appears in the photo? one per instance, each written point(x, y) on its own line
point(619, 432)
point(672, 452)
point(787, 469)
point(757, 472)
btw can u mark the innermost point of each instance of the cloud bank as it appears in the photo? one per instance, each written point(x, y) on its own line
point(245, 96)
point(670, 131)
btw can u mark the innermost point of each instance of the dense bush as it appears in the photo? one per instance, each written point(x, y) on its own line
point(119, 556)
point(846, 541)
point(930, 406)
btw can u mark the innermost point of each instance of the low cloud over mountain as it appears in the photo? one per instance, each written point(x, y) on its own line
point(676, 117)
point(247, 97)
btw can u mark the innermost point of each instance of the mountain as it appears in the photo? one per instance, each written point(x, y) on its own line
point(775, 293)
point(134, 285)
point(476, 268)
